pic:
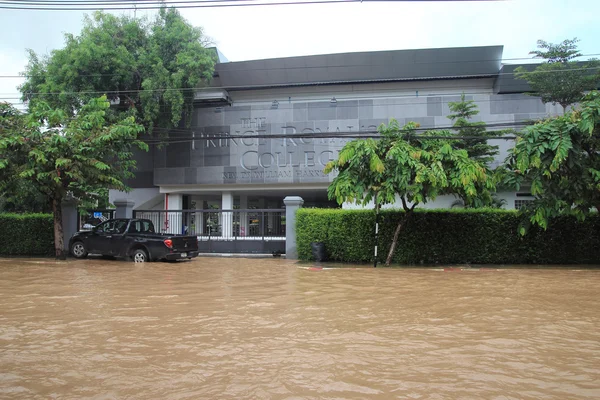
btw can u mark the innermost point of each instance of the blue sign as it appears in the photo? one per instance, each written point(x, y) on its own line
point(97, 214)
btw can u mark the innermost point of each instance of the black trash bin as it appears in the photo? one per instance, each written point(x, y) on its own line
point(318, 251)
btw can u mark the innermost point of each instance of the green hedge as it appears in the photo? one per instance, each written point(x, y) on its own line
point(448, 237)
point(26, 234)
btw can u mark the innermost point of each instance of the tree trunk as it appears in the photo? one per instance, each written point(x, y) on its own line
point(59, 244)
point(401, 225)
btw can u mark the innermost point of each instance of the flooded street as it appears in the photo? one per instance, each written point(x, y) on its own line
point(219, 328)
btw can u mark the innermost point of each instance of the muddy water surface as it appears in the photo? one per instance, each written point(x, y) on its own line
point(219, 328)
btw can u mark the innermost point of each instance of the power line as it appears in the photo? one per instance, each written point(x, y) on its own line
point(332, 136)
point(169, 3)
point(355, 136)
point(340, 101)
point(339, 134)
point(495, 124)
point(155, 7)
point(228, 70)
point(39, 6)
point(401, 104)
point(274, 86)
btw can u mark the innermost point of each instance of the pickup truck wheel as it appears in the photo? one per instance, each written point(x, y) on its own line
point(78, 250)
point(140, 256)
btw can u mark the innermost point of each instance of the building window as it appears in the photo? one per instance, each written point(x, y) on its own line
point(520, 203)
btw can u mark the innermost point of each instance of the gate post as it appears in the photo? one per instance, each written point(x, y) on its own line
point(292, 204)
point(124, 208)
point(69, 219)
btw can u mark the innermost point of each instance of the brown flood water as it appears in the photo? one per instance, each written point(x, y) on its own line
point(218, 328)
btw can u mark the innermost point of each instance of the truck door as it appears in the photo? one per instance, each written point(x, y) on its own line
point(99, 241)
point(118, 240)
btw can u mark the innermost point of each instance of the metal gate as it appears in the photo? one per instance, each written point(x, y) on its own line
point(260, 231)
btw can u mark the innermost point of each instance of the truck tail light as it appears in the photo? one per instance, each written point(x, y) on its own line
point(169, 243)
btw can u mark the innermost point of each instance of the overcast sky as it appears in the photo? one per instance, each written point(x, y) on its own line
point(245, 33)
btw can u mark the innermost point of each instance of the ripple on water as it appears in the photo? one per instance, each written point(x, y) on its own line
point(266, 329)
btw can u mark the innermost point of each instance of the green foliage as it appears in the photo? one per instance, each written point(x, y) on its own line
point(402, 165)
point(437, 236)
point(560, 79)
point(476, 145)
point(62, 155)
point(21, 196)
point(561, 52)
point(559, 159)
point(26, 234)
point(147, 68)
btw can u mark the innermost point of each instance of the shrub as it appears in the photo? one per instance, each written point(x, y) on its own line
point(26, 234)
point(487, 236)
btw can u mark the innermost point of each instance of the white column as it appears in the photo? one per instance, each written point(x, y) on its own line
point(292, 204)
point(243, 216)
point(227, 220)
point(173, 220)
point(196, 204)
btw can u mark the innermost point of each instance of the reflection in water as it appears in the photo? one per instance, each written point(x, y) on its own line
point(267, 329)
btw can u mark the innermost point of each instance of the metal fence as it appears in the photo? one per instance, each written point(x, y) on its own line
point(224, 231)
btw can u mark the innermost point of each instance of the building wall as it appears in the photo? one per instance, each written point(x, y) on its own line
point(215, 155)
point(144, 198)
point(215, 151)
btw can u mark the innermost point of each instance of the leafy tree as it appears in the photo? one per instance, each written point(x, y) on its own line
point(560, 79)
point(146, 69)
point(559, 158)
point(477, 135)
point(475, 142)
point(414, 169)
point(19, 195)
point(23, 197)
point(64, 155)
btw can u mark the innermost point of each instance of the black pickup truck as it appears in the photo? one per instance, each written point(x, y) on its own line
point(132, 238)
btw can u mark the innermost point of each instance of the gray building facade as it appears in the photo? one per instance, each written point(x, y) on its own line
point(265, 129)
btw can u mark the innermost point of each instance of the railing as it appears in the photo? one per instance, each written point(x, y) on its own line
point(225, 224)
point(234, 231)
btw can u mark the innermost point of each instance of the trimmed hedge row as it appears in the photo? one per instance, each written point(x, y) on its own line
point(448, 237)
point(26, 234)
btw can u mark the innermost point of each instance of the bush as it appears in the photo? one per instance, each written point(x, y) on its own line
point(26, 234)
point(448, 236)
